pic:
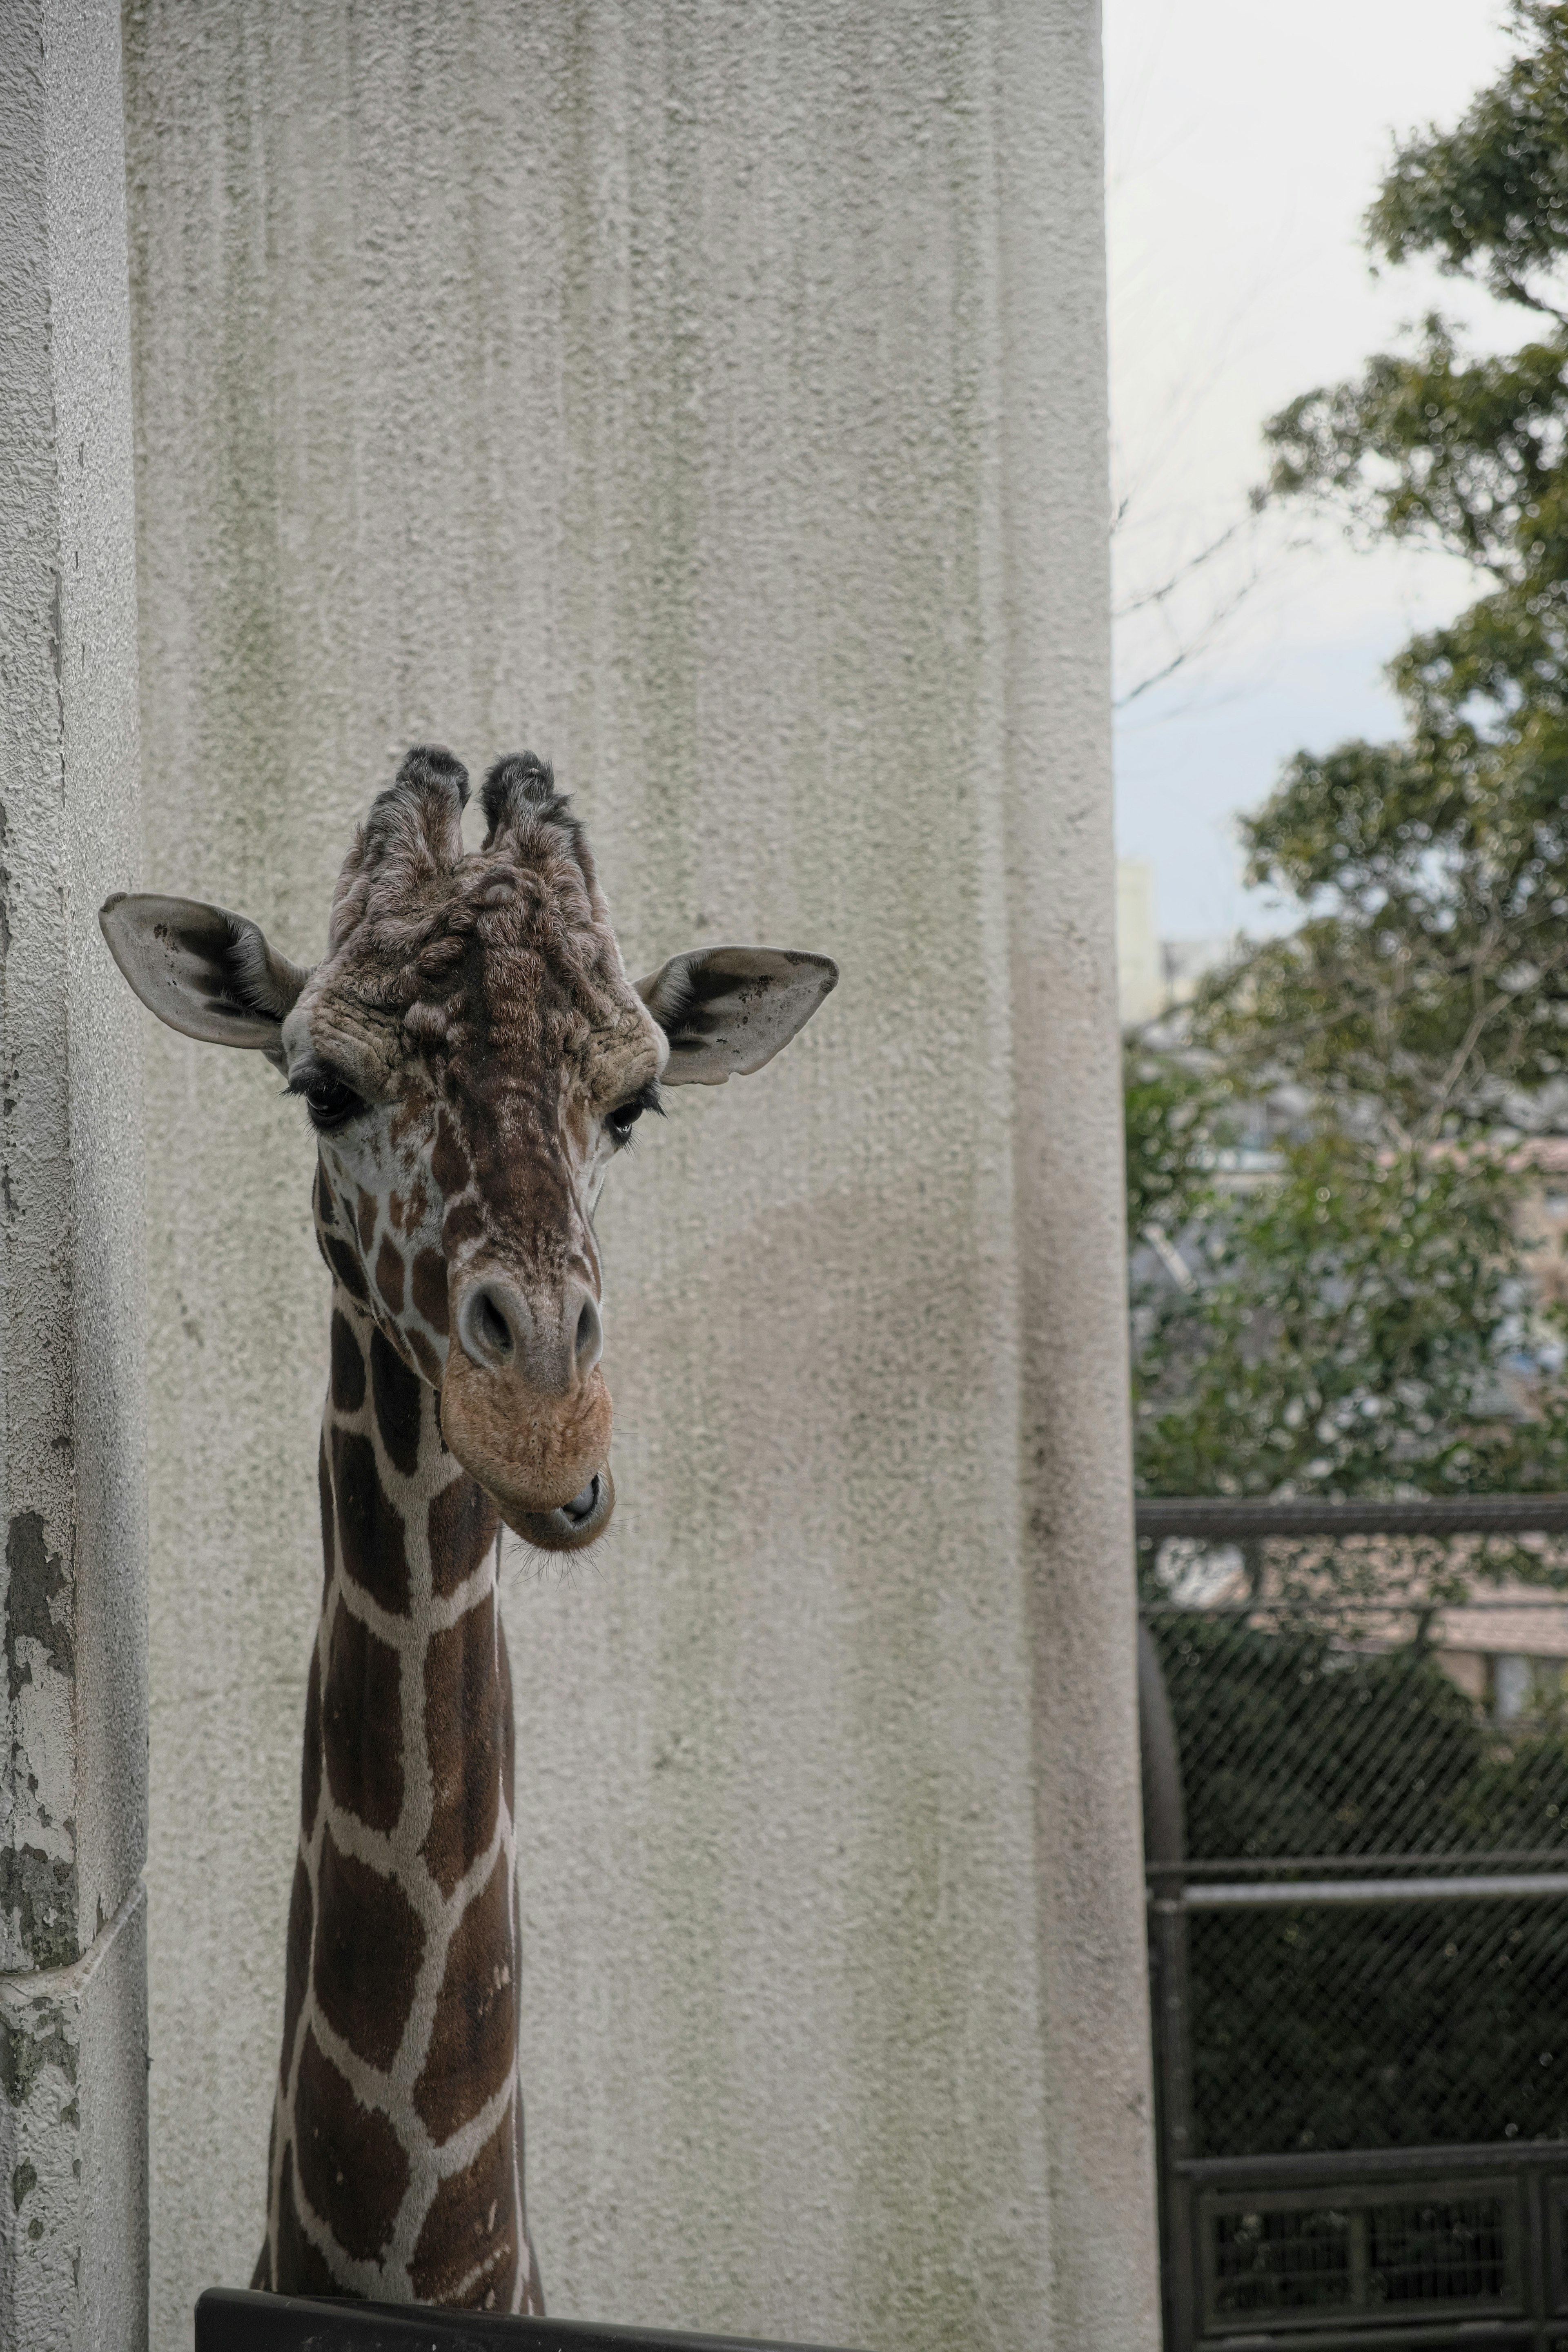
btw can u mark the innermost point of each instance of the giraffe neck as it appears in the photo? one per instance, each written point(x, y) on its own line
point(396, 2161)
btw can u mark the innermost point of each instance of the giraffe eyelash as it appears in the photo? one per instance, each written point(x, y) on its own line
point(330, 1101)
point(624, 1118)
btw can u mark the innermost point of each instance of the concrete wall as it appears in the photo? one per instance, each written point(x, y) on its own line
point(710, 397)
point(73, 1720)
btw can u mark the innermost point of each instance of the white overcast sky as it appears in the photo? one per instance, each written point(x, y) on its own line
point(1245, 139)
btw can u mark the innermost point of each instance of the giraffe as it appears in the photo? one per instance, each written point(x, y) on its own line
point(471, 1056)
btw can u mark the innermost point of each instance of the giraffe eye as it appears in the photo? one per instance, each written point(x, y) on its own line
point(330, 1101)
point(624, 1116)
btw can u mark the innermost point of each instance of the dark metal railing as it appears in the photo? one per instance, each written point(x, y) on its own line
point(1229, 1520)
point(1338, 2247)
point(228, 2320)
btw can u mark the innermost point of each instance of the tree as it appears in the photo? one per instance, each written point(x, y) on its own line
point(1346, 1322)
point(1345, 1327)
point(1427, 985)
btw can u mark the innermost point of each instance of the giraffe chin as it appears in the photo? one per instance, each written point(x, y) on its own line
point(577, 1524)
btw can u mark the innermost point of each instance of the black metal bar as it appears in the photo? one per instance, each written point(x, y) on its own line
point(1173, 2084)
point(1165, 1836)
point(1414, 2335)
point(1232, 1865)
point(1324, 2168)
point(1235, 1519)
point(230, 2320)
point(1272, 1613)
point(1164, 1819)
point(1531, 2255)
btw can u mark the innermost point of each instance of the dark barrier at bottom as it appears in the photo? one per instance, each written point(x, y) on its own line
point(228, 2320)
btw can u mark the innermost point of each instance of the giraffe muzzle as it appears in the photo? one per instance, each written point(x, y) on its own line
point(525, 1408)
point(579, 1522)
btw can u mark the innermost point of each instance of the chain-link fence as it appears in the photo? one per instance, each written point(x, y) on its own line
point(1356, 1761)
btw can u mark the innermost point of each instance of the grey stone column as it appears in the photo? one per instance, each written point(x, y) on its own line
point(709, 393)
point(73, 1771)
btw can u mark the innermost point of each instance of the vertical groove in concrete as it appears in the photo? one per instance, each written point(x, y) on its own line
point(1075, 1465)
point(710, 395)
point(73, 1773)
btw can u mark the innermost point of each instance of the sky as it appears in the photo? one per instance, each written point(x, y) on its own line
point(1244, 140)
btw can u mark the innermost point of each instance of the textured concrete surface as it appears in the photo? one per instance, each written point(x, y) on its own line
point(710, 398)
point(73, 1779)
point(73, 2146)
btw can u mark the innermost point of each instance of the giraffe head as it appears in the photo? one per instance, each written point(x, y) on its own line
point(472, 1056)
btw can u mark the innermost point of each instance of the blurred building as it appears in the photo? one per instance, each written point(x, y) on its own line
point(1155, 976)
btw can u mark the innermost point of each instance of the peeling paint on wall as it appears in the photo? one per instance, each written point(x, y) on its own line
point(72, 1495)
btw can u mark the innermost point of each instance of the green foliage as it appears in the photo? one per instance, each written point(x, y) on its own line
point(1428, 983)
point(1175, 1115)
point(1349, 1319)
point(1344, 1334)
point(1430, 976)
point(1490, 198)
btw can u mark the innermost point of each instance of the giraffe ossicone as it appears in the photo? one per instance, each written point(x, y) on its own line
point(471, 1056)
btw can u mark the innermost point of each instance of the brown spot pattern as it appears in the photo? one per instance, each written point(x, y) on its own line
point(310, 1766)
point(347, 1267)
point(466, 1223)
point(351, 2166)
point(369, 1944)
point(460, 1529)
point(392, 1333)
point(367, 1213)
point(429, 1285)
point(473, 2041)
point(469, 2232)
point(369, 1528)
point(463, 1739)
point(300, 2269)
point(297, 1965)
point(448, 1161)
point(362, 1722)
point(348, 1366)
point(398, 1394)
point(429, 1361)
point(389, 1273)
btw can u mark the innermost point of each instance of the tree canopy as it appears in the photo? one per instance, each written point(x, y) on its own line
point(1345, 1327)
point(1428, 980)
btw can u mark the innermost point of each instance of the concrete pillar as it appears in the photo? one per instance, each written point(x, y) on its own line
point(73, 1772)
point(710, 395)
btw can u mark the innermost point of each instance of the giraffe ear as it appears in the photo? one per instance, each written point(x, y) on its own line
point(206, 972)
point(726, 1011)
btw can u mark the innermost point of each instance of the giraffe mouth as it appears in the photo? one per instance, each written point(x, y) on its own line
point(540, 1458)
point(581, 1521)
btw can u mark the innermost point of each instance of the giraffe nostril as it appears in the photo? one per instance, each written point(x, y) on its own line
point(590, 1343)
point(491, 1328)
point(503, 1332)
point(581, 1505)
point(485, 1328)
